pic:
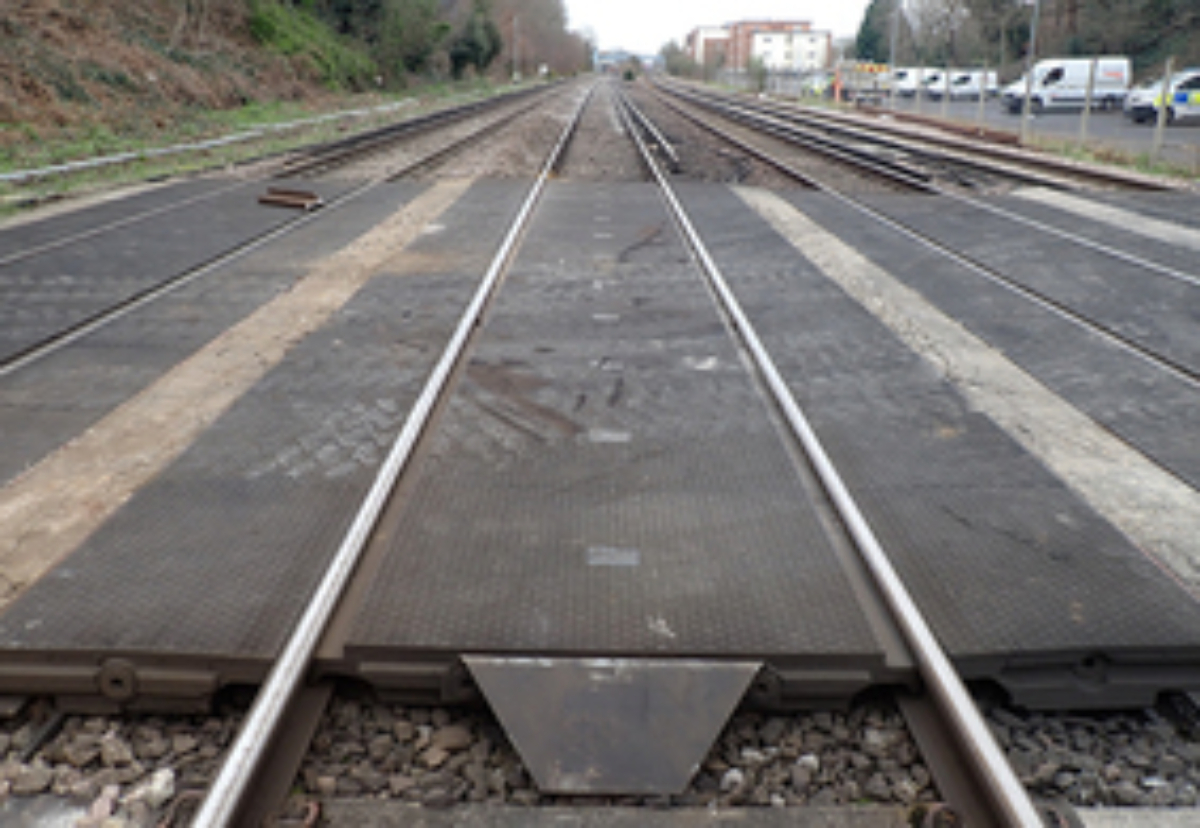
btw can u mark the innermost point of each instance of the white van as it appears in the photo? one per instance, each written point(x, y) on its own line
point(937, 81)
point(1061, 83)
point(1183, 92)
point(904, 80)
point(931, 82)
point(973, 84)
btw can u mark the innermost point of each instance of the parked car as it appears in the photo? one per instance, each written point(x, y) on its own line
point(1183, 93)
point(1062, 83)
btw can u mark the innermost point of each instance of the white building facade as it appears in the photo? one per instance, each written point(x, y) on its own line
point(793, 51)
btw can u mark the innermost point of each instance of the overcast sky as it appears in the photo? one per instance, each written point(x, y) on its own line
point(643, 26)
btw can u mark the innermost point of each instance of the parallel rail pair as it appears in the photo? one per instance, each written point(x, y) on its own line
point(1006, 800)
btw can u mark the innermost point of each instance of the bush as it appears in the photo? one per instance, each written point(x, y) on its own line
point(296, 33)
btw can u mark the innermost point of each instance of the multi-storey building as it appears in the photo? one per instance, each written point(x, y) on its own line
point(781, 44)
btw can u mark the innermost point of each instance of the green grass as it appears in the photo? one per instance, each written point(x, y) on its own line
point(294, 32)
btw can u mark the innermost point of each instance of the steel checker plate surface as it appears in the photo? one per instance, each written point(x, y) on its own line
point(1152, 410)
point(998, 553)
point(36, 232)
point(43, 407)
point(1153, 311)
point(217, 555)
point(606, 479)
point(48, 294)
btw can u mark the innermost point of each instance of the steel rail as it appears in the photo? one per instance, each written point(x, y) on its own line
point(393, 131)
point(342, 152)
point(1008, 796)
point(745, 147)
point(1177, 369)
point(894, 137)
point(866, 135)
point(1005, 154)
point(159, 152)
point(111, 314)
point(857, 159)
point(655, 132)
point(273, 700)
point(438, 154)
point(1171, 366)
point(91, 232)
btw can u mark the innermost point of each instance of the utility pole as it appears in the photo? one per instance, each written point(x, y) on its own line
point(1030, 59)
point(516, 64)
point(896, 7)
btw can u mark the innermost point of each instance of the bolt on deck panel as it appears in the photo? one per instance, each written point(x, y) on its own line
point(65, 287)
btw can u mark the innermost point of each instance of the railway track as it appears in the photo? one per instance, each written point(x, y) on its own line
point(616, 413)
point(954, 162)
point(1175, 357)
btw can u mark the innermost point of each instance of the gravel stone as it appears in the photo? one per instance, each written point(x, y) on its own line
point(733, 780)
point(32, 779)
point(115, 752)
point(451, 738)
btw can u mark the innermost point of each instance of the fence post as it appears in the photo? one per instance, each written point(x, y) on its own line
point(980, 115)
point(1164, 98)
point(1030, 62)
point(1087, 102)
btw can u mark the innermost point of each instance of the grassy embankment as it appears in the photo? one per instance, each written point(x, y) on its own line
point(336, 76)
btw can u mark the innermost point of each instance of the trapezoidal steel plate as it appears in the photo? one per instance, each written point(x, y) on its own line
point(611, 726)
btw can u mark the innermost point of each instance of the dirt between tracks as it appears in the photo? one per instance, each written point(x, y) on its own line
point(519, 148)
point(602, 149)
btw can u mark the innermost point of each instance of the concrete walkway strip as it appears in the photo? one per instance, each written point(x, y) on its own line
point(48, 511)
point(1164, 231)
point(1156, 511)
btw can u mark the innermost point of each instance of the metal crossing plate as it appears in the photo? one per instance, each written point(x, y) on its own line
point(619, 726)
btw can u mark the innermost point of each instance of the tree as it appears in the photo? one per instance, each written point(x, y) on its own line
point(409, 34)
point(478, 42)
point(757, 70)
point(677, 61)
point(874, 34)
